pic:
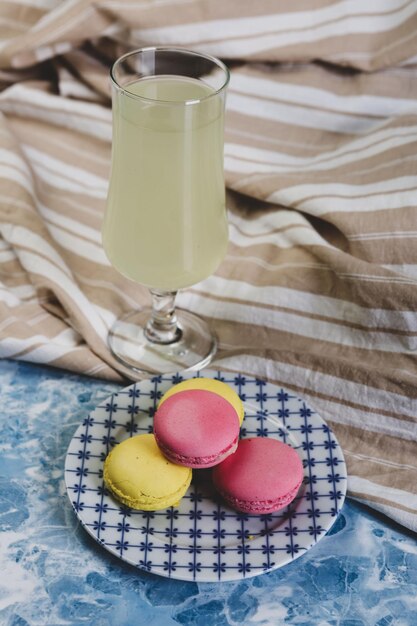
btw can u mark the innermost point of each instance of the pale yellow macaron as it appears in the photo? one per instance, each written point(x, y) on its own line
point(138, 474)
point(209, 384)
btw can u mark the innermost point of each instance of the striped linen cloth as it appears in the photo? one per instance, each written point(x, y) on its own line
point(318, 291)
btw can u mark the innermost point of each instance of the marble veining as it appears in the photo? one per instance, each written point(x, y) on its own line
point(363, 573)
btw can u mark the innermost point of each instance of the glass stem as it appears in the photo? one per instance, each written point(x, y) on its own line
point(162, 327)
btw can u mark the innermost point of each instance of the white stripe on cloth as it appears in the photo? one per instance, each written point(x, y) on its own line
point(16, 202)
point(409, 269)
point(361, 104)
point(79, 246)
point(277, 266)
point(23, 237)
point(106, 315)
point(9, 298)
point(110, 286)
point(40, 4)
point(81, 177)
point(300, 116)
point(266, 223)
point(350, 25)
point(85, 117)
point(378, 460)
point(263, 160)
point(7, 255)
point(310, 303)
point(383, 235)
point(17, 176)
point(10, 158)
point(383, 195)
point(365, 486)
point(64, 341)
point(61, 181)
point(68, 223)
point(288, 239)
point(48, 353)
point(56, 14)
point(322, 330)
point(392, 279)
point(35, 264)
point(22, 292)
point(276, 23)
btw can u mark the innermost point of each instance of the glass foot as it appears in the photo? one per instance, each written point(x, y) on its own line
point(194, 349)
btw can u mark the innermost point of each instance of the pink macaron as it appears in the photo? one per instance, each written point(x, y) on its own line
point(262, 476)
point(196, 428)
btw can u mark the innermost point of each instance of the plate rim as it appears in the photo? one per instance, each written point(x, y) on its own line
point(204, 576)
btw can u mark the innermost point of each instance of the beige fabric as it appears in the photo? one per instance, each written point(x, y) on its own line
point(318, 291)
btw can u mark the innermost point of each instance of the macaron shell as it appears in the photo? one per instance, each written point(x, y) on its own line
point(263, 473)
point(208, 384)
point(139, 475)
point(196, 427)
point(260, 507)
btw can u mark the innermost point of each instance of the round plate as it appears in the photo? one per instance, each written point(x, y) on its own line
point(202, 539)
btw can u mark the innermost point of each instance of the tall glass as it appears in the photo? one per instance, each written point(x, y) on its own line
point(165, 224)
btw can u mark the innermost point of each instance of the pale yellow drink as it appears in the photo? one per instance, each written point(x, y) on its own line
point(165, 224)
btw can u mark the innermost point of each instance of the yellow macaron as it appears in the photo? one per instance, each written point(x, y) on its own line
point(137, 473)
point(209, 384)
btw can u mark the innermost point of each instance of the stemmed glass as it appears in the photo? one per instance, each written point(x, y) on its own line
point(165, 224)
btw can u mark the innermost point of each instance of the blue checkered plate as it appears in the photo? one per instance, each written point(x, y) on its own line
point(202, 539)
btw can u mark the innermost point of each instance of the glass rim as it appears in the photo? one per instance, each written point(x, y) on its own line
point(185, 51)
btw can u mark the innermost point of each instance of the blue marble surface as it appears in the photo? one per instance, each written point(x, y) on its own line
point(363, 573)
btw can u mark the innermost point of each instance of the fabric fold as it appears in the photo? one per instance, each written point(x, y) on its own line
point(318, 291)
